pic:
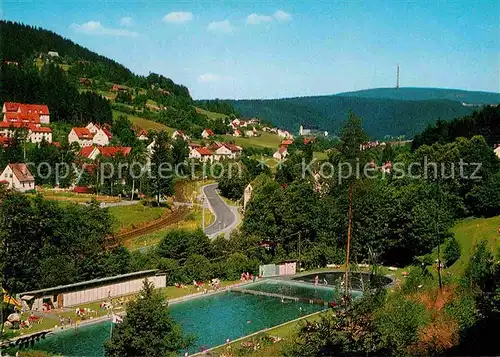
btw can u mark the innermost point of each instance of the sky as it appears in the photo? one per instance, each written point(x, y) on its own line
point(275, 49)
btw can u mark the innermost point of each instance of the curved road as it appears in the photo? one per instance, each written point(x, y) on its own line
point(226, 217)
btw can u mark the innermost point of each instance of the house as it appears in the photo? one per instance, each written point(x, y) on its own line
point(284, 134)
point(233, 126)
point(36, 134)
point(250, 133)
point(207, 133)
point(237, 133)
point(202, 154)
point(119, 88)
point(303, 131)
point(14, 112)
point(82, 136)
point(92, 152)
point(224, 151)
point(254, 121)
point(4, 141)
point(309, 140)
point(18, 177)
point(369, 145)
point(287, 142)
point(87, 82)
point(53, 54)
point(180, 134)
point(496, 150)
point(243, 124)
point(8, 129)
point(281, 153)
point(102, 137)
point(387, 167)
point(92, 134)
point(143, 135)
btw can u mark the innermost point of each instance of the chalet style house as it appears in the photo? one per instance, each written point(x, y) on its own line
point(17, 177)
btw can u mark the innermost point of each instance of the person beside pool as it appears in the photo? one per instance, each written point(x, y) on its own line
point(316, 280)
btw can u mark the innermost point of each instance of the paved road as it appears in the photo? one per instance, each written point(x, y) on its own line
point(226, 217)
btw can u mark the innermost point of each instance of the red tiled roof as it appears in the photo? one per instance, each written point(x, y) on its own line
point(209, 132)
point(287, 142)
point(232, 147)
point(108, 134)
point(22, 172)
point(11, 106)
point(40, 129)
point(114, 150)
point(83, 133)
point(204, 151)
point(282, 149)
point(86, 151)
point(194, 145)
point(15, 125)
point(143, 132)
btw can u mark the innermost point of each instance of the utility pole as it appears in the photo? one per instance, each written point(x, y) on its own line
point(346, 278)
point(300, 260)
point(202, 212)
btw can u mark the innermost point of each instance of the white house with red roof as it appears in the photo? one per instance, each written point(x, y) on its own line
point(224, 151)
point(281, 153)
point(180, 134)
point(207, 133)
point(18, 177)
point(82, 136)
point(284, 134)
point(26, 113)
point(143, 135)
point(237, 133)
point(36, 134)
point(92, 134)
point(202, 154)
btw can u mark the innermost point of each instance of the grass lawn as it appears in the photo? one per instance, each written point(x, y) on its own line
point(320, 156)
point(144, 124)
point(133, 216)
point(193, 220)
point(211, 115)
point(266, 140)
point(469, 232)
point(76, 197)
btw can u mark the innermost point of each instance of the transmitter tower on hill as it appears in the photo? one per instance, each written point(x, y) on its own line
point(397, 78)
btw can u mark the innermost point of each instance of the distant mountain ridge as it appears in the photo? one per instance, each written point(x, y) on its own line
point(421, 93)
point(385, 111)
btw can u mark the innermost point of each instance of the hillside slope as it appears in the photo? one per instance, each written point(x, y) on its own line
point(412, 93)
point(380, 116)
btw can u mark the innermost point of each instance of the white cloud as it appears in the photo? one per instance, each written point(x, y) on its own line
point(255, 19)
point(126, 21)
point(178, 17)
point(220, 26)
point(96, 28)
point(210, 77)
point(282, 16)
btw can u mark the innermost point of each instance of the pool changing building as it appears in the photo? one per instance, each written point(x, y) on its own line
point(91, 290)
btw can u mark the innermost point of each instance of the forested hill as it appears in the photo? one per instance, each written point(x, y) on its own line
point(380, 116)
point(412, 93)
point(24, 44)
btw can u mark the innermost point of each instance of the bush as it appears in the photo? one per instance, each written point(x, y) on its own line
point(451, 251)
point(197, 268)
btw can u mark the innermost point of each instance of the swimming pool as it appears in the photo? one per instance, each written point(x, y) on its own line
point(210, 319)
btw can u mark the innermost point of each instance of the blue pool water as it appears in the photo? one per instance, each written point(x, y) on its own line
point(211, 320)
